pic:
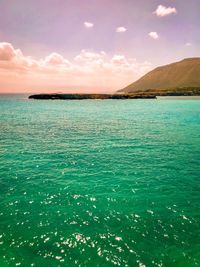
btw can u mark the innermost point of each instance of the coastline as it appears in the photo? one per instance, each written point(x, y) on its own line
point(184, 97)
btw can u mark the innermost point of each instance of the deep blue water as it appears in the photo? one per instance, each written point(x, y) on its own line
point(99, 183)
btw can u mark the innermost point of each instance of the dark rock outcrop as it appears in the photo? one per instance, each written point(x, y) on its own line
point(90, 96)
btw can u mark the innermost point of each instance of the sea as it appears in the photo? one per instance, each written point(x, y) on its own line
point(99, 183)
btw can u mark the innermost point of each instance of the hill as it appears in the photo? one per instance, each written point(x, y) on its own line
point(176, 77)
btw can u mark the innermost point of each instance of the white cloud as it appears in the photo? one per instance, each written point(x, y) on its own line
point(121, 29)
point(188, 44)
point(56, 59)
point(86, 55)
point(88, 24)
point(154, 35)
point(88, 69)
point(119, 60)
point(162, 11)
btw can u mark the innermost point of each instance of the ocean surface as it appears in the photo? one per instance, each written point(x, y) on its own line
point(99, 183)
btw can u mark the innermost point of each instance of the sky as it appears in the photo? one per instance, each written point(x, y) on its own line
point(91, 45)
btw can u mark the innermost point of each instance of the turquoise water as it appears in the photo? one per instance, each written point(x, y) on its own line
point(99, 183)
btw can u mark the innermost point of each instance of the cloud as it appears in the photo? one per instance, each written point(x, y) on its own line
point(121, 29)
point(87, 71)
point(56, 60)
point(87, 56)
point(7, 52)
point(188, 44)
point(119, 60)
point(88, 24)
point(13, 59)
point(154, 35)
point(162, 11)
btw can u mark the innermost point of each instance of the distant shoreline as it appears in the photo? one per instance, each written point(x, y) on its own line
point(183, 97)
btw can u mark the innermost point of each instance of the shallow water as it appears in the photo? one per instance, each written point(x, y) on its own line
point(99, 183)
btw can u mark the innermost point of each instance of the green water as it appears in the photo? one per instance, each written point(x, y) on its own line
point(99, 183)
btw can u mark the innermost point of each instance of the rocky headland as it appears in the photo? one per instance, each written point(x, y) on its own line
point(177, 79)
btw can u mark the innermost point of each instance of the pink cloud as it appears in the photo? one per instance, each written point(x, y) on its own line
point(7, 52)
point(119, 60)
point(88, 71)
point(54, 59)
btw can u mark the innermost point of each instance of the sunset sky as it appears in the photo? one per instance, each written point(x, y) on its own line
point(91, 45)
